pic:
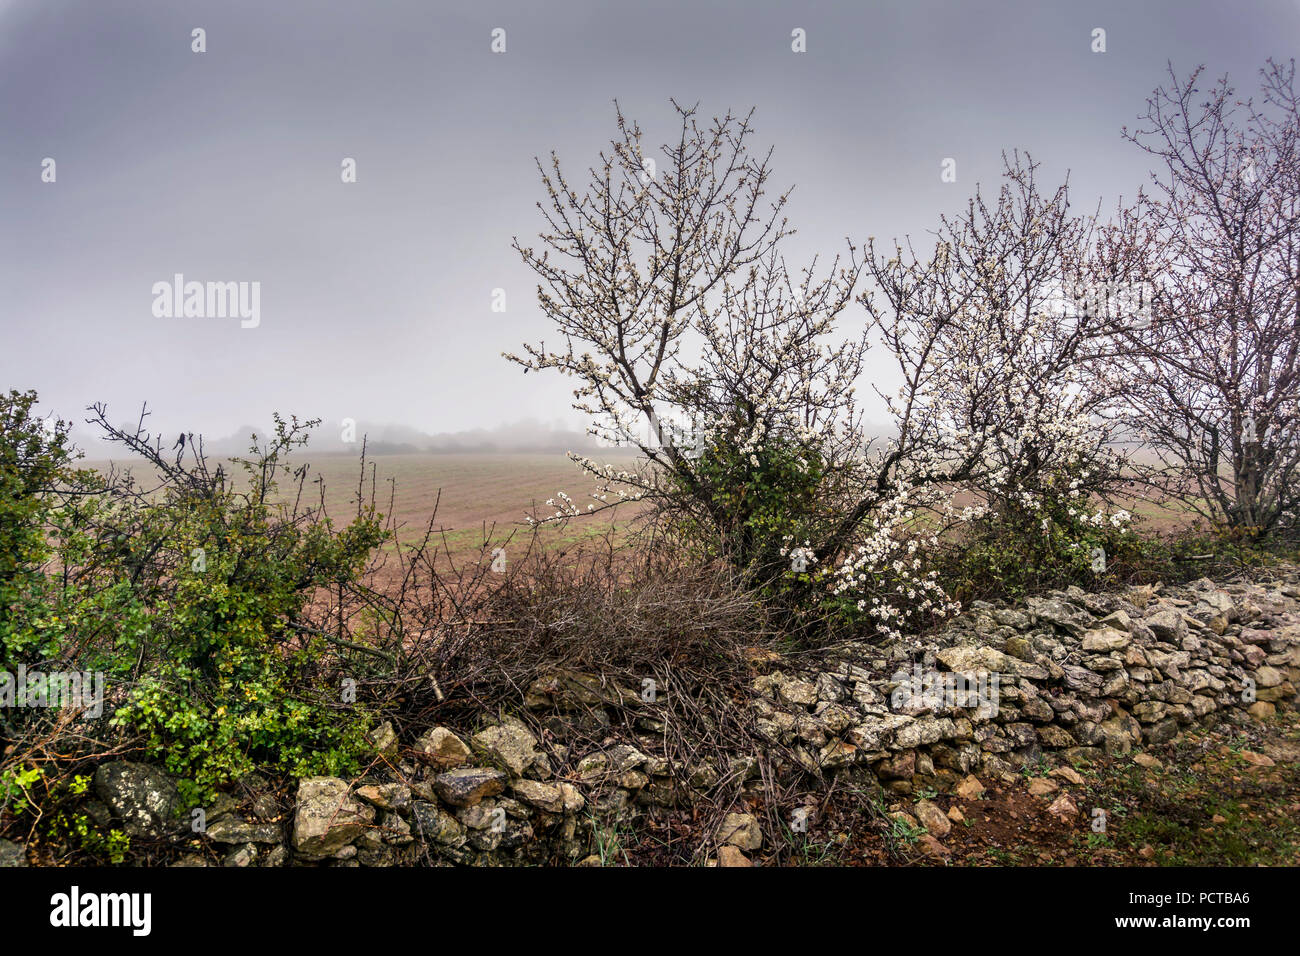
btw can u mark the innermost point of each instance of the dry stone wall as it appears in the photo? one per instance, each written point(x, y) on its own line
point(1068, 677)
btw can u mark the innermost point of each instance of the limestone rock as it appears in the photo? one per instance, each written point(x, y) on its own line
point(510, 744)
point(236, 831)
point(1043, 787)
point(797, 692)
point(1256, 760)
point(731, 856)
point(544, 796)
point(1064, 809)
point(384, 739)
point(1261, 710)
point(970, 658)
point(625, 757)
point(12, 854)
point(741, 830)
point(386, 796)
point(932, 848)
point(1268, 677)
point(327, 817)
point(932, 818)
point(436, 824)
point(469, 785)
point(970, 788)
point(1167, 624)
point(241, 856)
point(143, 797)
point(1106, 639)
point(442, 748)
point(569, 690)
point(1068, 774)
point(1061, 615)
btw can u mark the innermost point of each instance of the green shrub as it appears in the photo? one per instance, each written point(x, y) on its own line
point(191, 598)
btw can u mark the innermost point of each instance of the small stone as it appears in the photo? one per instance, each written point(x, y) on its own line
point(510, 744)
point(466, 787)
point(1068, 774)
point(594, 767)
point(386, 796)
point(574, 801)
point(142, 796)
point(1064, 809)
point(437, 824)
point(384, 739)
point(1019, 648)
point(932, 848)
point(1256, 760)
point(966, 658)
point(1106, 639)
point(573, 690)
point(658, 766)
point(395, 831)
point(482, 816)
point(901, 766)
point(970, 788)
point(235, 830)
point(741, 830)
point(837, 753)
point(242, 856)
point(798, 692)
point(1167, 624)
point(1268, 677)
point(624, 757)
point(1148, 761)
point(544, 796)
point(442, 748)
point(1043, 787)
point(12, 854)
point(327, 818)
point(265, 807)
point(1118, 619)
point(632, 780)
point(1261, 710)
point(732, 856)
point(932, 818)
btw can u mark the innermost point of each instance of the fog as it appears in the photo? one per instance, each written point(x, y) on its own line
point(375, 297)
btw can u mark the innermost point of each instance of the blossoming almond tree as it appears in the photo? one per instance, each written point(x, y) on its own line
point(1005, 376)
point(675, 307)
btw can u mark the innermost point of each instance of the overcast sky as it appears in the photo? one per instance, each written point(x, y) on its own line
point(376, 296)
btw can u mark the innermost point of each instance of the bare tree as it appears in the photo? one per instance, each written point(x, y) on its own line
point(1218, 370)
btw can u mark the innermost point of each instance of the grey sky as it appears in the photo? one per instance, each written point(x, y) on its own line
point(375, 296)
